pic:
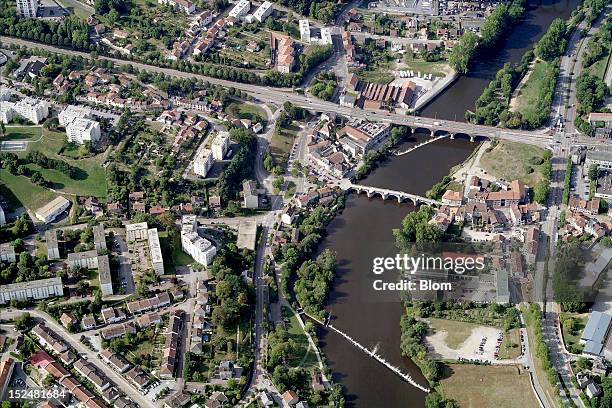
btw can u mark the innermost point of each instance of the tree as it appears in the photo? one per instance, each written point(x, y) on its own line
point(24, 322)
point(553, 42)
point(463, 52)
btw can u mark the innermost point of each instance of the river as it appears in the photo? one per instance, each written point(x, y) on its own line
point(364, 231)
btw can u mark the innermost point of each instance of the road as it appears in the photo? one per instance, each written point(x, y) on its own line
point(280, 95)
point(92, 356)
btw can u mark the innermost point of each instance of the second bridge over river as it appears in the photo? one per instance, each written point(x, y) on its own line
point(400, 196)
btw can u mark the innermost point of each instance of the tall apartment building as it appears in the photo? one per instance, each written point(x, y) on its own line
point(27, 8)
point(28, 108)
point(104, 275)
point(203, 162)
point(240, 10)
point(200, 249)
point(52, 244)
point(38, 289)
point(263, 11)
point(72, 112)
point(83, 130)
point(157, 261)
point(137, 232)
point(220, 145)
point(87, 259)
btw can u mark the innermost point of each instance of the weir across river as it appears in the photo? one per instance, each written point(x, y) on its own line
point(372, 353)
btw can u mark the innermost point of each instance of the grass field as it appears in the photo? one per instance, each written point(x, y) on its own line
point(93, 179)
point(573, 325)
point(476, 386)
point(304, 357)
point(511, 345)
point(27, 194)
point(22, 133)
point(438, 69)
point(529, 93)
point(244, 110)
point(281, 143)
point(458, 332)
point(510, 161)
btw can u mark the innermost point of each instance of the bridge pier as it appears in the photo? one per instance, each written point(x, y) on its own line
point(472, 139)
point(452, 136)
point(432, 132)
point(369, 193)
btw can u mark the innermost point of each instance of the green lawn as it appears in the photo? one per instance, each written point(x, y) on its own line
point(378, 75)
point(22, 133)
point(573, 324)
point(92, 181)
point(510, 161)
point(245, 110)
point(281, 143)
point(511, 345)
point(27, 194)
point(438, 69)
point(478, 386)
point(304, 357)
point(529, 93)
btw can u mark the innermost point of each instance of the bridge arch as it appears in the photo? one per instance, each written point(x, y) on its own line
point(480, 138)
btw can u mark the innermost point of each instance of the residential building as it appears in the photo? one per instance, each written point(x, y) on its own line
point(34, 110)
point(263, 11)
point(360, 138)
point(203, 162)
point(304, 31)
point(2, 217)
point(220, 145)
point(7, 253)
point(27, 9)
point(52, 244)
point(6, 371)
point(452, 198)
point(104, 275)
point(52, 210)
point(86, 259)
point(99, 237)
point(199, 248)
point(112, 315)
point(240, 10)
point(137, 232)
point(249, 192)
point(37, 289)
point(72, 112)
point(83, 130)
point(283, 48)
point(600, 157)
point(157, 262)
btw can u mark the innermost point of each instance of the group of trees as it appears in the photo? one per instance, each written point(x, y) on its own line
point(324, 10)
point(45, 162)
point(411, 345)
point(231, 293)
point(324, 85)
point(416, 228)
point(12, 163)
point(373, 157)
point(69, 32)
point(240, 167)
point(470, 45)
point(313, 282)
point(553, 43)
point(591, 92)
point(25, 269)
point(567, 271)
point(542, 188)
point(21, 227)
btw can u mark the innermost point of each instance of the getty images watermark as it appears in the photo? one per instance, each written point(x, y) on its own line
point(425, 272)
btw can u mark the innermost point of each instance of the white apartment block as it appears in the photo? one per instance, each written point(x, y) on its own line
point(72, 112)
point(87, 259)
point(27, 8)
point(38, 289)
point(220, 145)
point(203, 162)
point(137, 232)
point(200, 249)
point(305, 30)
point(83, 130)
point(2, 217)
point(7, 253)
point(104, 275)
point(157, 262)
point(326, 38)
point(6, 111)
point(240, 10)
point(28, 108)
point(263, 11)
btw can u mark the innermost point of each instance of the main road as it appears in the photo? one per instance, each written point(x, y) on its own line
point(281, 95)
